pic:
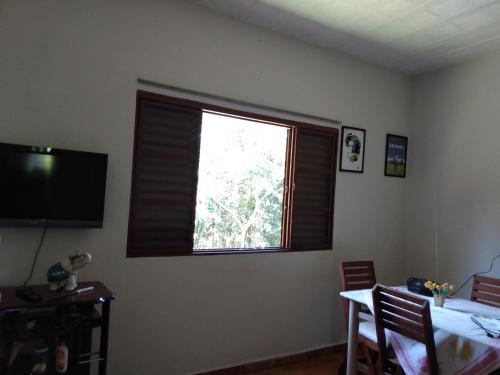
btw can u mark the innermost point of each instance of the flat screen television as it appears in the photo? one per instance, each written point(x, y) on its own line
point(49, 187)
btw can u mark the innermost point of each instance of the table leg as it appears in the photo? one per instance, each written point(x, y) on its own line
point(352, 338)
point(104, 338)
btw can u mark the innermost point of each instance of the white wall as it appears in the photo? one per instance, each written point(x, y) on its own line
point(454, 156)
point(68, 74)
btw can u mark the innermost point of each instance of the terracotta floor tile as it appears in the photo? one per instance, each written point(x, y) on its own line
point(327, 365)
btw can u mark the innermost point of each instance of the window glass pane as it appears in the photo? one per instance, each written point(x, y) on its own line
point(240, 184)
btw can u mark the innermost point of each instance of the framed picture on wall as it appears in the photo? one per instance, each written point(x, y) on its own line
point(396, 148)
point(352, 149)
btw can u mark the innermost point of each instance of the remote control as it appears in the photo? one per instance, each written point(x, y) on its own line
point(28, 295)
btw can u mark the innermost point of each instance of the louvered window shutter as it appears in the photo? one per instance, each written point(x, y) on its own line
point(163, 197)
point(313, 190)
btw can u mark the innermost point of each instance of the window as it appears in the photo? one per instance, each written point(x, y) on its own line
point(209, 180)
point(241, 179)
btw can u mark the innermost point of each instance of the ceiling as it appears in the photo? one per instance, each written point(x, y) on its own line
point(413, 36)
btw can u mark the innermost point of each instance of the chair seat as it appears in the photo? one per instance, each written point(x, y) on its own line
point(368, 330)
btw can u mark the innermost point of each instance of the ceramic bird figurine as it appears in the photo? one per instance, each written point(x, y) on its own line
point(63, 274)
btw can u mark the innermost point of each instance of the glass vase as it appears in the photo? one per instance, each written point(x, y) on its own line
point(439, 300)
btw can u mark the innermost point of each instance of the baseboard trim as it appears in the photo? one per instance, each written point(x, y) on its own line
point(265, 364)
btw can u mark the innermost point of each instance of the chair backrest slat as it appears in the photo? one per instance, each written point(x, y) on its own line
point(358, 270)
point(355, 276)
point(412, 306)
point(412, 327)
point(407, 315)
point(410, 315)
point(486, 290)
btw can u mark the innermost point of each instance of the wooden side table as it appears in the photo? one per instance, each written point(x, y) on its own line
point(58, 308)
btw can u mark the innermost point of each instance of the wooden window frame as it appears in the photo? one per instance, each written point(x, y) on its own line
point(287, 210)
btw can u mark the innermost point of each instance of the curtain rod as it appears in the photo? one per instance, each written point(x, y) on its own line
point(200, 94)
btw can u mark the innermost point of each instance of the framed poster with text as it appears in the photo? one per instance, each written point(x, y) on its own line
point(396, 148)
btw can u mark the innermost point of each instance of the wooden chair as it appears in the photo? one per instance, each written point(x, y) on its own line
point(407, 315)
point(356, 276)
point(486, 290)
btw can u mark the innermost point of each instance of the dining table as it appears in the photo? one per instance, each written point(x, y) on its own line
point(453, 320)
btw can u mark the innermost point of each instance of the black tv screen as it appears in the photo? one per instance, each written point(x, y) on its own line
point(44, 186)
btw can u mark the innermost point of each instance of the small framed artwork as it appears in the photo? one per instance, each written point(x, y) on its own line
point(352, 149)
point(396, 148)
